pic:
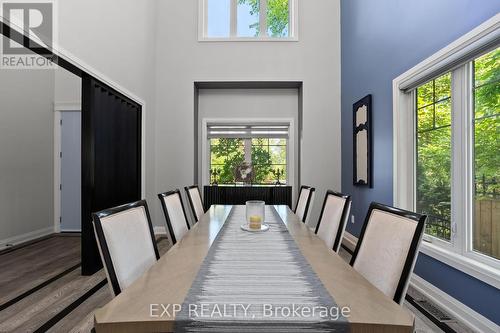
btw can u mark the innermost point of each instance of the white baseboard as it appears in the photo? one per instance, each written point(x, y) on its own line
point(160, 231)
point(26, 237)
point(462, 312)
point(467, 316)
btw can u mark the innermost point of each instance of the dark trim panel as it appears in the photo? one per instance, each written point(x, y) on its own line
point(367, 100)
point(108, 261)
point(412, 252)
point(162, 197)
point(247, 84)
point(343, 218)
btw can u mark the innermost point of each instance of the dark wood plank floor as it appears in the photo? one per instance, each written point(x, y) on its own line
point(46, 307)
point(27, 267)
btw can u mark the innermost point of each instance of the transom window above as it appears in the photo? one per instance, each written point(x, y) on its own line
point(247, 20)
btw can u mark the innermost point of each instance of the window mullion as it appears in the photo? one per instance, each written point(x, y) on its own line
point(460, 159)
point(468, 148)
point(233, 18)
point(263, 18)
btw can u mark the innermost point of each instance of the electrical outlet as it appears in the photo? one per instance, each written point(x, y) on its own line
point(352, 219)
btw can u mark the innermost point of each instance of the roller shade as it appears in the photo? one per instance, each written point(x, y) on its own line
point(278, 131)
point(487, 41)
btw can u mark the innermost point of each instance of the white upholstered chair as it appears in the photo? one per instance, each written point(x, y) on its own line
point(387, 248)
point(333, 219)
point(175, 215)
point(304, 202)
point(126, 243)
point(195, 202)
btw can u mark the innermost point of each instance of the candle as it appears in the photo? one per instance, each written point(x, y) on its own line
point(255, 221)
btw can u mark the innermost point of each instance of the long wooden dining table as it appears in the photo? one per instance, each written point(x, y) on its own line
point(153, 302)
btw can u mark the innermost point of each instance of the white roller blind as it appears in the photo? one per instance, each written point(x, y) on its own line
point(487, 41)
point(278, 131)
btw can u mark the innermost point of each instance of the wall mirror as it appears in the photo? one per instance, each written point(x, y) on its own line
point(362, 142)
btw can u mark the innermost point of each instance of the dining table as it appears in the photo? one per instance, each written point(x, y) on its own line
point(221, 278)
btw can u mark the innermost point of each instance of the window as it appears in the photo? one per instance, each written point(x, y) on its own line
point(486, 103)
point(247, 20)
point(262, 147)
point(446, 151)
point(434, 156)
point(433, 169)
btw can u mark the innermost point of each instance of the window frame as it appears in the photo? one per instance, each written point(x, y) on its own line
point(290, 146)
point(459, 252)
point(233, 37)
point(250, 141)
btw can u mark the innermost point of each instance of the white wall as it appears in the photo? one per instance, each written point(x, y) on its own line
point(117, 38)
point(26, 154)
point(114, 37)
point(314, 59)
point(150, 48)
point(68, 87)
point(241, 104)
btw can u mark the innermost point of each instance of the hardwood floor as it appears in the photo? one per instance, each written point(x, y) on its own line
point(55, 297)
point(28, 267)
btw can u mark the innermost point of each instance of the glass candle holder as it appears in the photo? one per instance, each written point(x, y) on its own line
point(255, 213)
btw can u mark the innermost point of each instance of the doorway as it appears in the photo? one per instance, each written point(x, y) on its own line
point(70, 177)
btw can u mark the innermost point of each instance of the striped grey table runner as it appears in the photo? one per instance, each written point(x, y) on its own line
point(257, 282)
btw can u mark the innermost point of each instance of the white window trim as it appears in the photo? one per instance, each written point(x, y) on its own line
point(203, 25)
point(458, 253)
point(290, 147)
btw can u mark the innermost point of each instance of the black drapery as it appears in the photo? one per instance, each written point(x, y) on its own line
point(111, 158)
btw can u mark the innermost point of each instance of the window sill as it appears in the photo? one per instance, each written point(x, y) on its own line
point(247, 39)
point(480, 271)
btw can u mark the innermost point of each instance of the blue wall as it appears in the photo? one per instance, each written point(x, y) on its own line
point(380, 40)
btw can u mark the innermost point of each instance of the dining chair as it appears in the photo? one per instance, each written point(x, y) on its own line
point(195, 202)
point(304, 201)
point(333, 219)
point(126, 243)
point(387, 248)
point(177, 222)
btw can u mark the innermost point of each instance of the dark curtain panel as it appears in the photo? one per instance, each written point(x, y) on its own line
point(111, 158)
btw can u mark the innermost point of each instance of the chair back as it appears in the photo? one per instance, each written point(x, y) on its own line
point(126, 242)
point(175, 215)
point(304, 202)
point(387, 248)
point(195, 202)
point(333, 219)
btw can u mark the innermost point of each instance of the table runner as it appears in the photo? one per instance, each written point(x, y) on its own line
point(257, 282)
